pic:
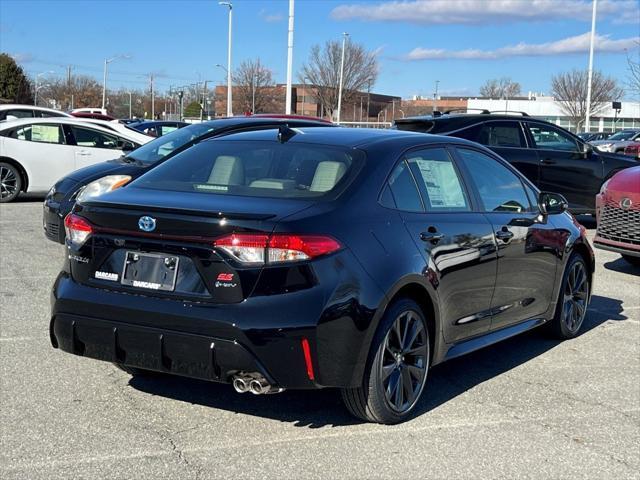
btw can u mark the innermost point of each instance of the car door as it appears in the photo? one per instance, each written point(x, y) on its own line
point(508, 139)
point(564, 167)
point(456, 243)
point(94, 146)
point(528, 244)
point(42, 150)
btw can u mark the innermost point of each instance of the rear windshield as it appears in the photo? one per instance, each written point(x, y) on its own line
point(161, 147)
point(256, 169)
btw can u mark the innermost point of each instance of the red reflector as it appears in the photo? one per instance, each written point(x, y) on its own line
point(307, 358)
point(311, 245)
point(74, 222)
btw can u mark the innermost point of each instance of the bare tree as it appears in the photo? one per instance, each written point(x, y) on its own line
point(322, 71)
point(633, 76)
point(570, 89)
point(75, 91)
point(253, 90)
point(500, 88)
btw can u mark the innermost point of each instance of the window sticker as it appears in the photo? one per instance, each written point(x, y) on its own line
point(443, 185)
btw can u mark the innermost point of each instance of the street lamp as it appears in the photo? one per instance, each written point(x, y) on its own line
point(344, 43)
point(107, 61)
point(229, 88)
point(38, 88)
point(35, 99)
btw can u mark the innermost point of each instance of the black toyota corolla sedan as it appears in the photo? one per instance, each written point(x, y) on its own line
point(105, 176)
point(319, 257)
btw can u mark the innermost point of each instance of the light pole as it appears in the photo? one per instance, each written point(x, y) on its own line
point(590, 74)
point(287, 108)
point(435, 96)
point(344, 43)
point(37, 89)
point(229, 88)
point(107, 61)
point(35, 98)
point(129, 104)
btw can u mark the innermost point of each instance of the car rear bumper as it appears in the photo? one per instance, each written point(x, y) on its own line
point(214, 341)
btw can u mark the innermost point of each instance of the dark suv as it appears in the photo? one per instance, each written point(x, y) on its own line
point(551, 157)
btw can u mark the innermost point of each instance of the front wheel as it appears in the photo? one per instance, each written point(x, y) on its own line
point(396, 372)
point(573, 301)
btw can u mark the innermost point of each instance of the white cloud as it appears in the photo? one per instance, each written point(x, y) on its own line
point(22, 57)
point(270, 17)
point(482, 11)
point(577, 44)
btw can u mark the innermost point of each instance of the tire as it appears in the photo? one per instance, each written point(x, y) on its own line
point(393, 363)
point(137, 372)
point(10, 182)
point(632, 260)
point(571, 309)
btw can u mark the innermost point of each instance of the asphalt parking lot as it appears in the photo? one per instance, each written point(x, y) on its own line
point(528, 408)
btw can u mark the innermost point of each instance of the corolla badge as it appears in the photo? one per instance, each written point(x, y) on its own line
point(626, 203)
point(147, 223)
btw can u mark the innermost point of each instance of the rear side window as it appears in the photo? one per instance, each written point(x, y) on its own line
point(40, 133)
point(403, 189)
point(439, 182)
point(256, 169)
point(495, 134)
point(19, 113)
point(499, 188)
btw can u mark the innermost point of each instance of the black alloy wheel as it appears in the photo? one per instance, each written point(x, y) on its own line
point(574, 299)
point(10, 182)
point(397, 370)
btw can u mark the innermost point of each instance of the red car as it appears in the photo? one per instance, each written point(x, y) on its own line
point(94, 116)
point(618, 215)
point(633, 150)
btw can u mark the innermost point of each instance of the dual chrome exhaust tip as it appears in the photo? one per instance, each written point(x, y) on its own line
point(254, 383)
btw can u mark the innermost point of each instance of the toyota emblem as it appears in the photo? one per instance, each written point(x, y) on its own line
point(147, 224)
point(626, 203)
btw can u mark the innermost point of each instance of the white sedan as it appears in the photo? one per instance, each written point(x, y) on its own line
point(36, 152)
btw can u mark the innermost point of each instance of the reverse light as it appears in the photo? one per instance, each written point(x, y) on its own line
point(277, 248)
point(102, 185)
point(78, 229)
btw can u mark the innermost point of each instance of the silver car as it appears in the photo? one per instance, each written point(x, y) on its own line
point(617, 142)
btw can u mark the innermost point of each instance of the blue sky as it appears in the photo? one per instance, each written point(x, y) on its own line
point(461, 43)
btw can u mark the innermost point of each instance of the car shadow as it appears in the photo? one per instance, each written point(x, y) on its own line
point(321, 408)
point(29, 198)
point(622, 266)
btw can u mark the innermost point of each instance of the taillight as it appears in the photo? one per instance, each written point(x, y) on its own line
point(78, 229)
point(277, 248)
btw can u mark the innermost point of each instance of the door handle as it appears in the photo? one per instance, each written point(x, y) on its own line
point(433, 237)
point(548, 161)
point(505, 234)
point(83, 153)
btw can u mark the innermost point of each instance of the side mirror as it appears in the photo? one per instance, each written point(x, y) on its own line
point(586, 150)
point(125, 146)
point(552, 203)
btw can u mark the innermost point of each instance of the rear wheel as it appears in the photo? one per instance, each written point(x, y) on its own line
point(10, 182)
point(397, 369)
point(632, 260)
point(574, 295)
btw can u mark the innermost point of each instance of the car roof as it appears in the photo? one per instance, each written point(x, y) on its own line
point(11, 106)
point(341, 136)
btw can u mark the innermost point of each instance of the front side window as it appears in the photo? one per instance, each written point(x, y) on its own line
point(40, 133)
point(48, 114)
point(499, 188)
point(256, 169)
point(19, 113)
point(438, 180)
point(550, 138)
point(87, 137)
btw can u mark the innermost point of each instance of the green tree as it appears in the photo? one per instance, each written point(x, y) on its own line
point(192, 110)
point(14, 85)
